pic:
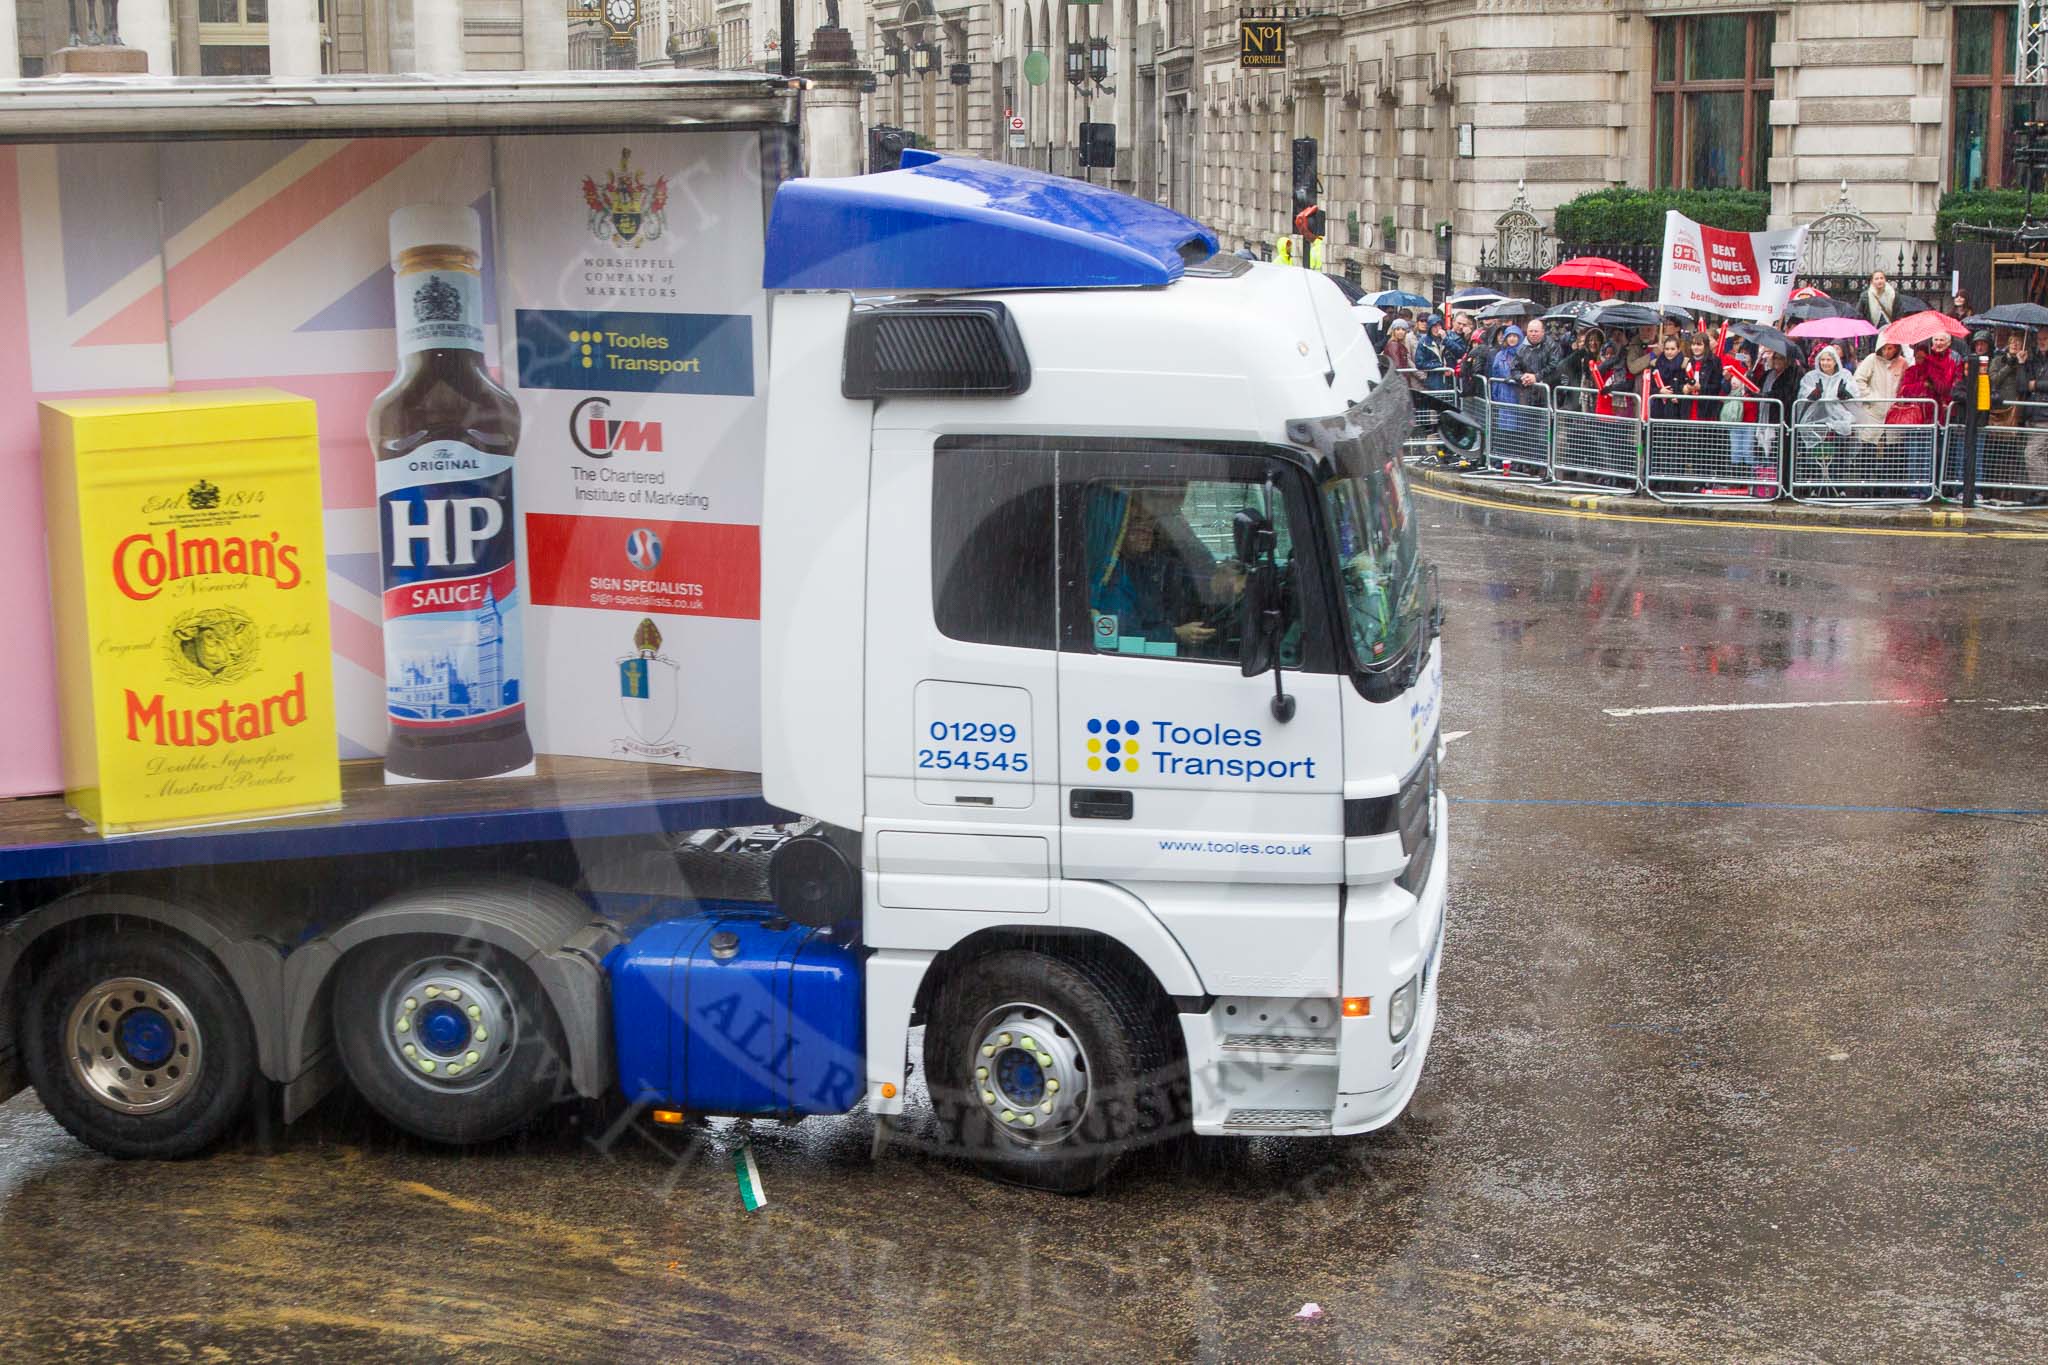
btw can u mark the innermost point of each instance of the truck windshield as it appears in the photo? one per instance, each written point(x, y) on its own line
point(1371, 519)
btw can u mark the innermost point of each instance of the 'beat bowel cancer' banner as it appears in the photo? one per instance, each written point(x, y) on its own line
point(1736, 274)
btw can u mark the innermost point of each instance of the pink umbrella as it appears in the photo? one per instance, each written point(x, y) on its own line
point(1915, 328)
point(1834, 329)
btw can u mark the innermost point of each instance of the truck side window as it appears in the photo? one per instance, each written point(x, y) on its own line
point(1162, 577)
point(992, 546)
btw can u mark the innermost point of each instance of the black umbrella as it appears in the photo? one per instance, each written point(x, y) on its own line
point(1818, 306)
point(1510, 308)
point(1624, 315)
point(1675, 313)
point(1577, 310)
point(1907, 305)
point(2010, 315)
point(1769, 338)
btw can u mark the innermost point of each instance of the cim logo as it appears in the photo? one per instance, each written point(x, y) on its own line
point(599, 435)
point(1112, 746)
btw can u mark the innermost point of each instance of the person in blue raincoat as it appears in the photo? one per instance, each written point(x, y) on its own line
point(1141, 584)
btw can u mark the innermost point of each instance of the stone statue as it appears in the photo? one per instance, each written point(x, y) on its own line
point(102, 27)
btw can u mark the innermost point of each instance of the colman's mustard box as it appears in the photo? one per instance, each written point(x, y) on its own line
point(190, 593)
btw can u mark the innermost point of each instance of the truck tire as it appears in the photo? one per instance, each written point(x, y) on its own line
point(1045, 1071)
point(139, 1044)
point(453, 1042)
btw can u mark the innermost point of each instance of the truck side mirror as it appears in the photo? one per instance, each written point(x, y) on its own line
point(1261, 613)
point(1258, 644)
point(1252, 535)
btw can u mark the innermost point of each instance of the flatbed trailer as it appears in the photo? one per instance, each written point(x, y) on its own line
point(57, 874)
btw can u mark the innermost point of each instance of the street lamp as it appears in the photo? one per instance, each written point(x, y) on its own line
point(1098, 59)
point(923, 58)
point(892, 61)
point(1077, 65)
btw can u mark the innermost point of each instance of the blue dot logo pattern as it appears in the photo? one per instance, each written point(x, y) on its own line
point(1113, 745)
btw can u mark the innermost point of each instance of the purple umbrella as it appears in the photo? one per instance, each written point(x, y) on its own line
point(1834, 329)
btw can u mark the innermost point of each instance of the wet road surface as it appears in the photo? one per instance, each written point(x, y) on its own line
point(1741, 1054)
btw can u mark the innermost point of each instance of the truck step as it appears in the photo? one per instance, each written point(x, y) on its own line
point(1298, 1121)
point(1273, 1042)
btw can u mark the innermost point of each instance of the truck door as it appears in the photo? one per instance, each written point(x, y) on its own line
point(1176, 779)
point(962, 686)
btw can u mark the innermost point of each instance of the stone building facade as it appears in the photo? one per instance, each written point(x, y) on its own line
point(1429, 112)
point(306, 37)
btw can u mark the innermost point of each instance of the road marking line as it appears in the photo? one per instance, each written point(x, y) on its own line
point(1623, 712)
point(1804, 807)
point(1421, 490)
point(1456, 734)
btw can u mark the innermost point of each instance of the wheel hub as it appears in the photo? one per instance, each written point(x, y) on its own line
point(1030, 1073)
point(134, 1046)
point(449, 1023)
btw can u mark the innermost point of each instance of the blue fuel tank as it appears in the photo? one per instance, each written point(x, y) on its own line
point(732, 1012)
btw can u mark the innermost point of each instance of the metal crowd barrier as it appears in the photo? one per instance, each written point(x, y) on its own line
point(1422, 437)
point(1865, 459)
point(1712, 459)
point(1518, 434)
point(1594, 449)
point(2012, 462)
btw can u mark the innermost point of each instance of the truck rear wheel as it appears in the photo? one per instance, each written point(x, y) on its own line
point(139, 1045)
point(453, 1042)
point(1046, 1071)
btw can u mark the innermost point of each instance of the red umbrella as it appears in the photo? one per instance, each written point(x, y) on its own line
point(1915, 328)
point(1595, 272)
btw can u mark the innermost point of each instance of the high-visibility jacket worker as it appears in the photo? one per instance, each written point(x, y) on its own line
point(1315, 253)
point(1283, 249)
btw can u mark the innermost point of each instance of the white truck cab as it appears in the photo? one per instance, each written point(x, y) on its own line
point(1095, 626)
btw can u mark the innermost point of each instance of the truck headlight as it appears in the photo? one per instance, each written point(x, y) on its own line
point(1401, 1011)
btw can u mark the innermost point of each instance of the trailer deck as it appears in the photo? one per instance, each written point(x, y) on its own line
point(567, 798)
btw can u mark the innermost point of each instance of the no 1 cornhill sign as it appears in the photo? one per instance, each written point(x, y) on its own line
point(1261, 43)
point(1262, 33)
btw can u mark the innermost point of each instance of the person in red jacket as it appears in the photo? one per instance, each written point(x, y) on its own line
point(1735, 372)
point(1933, 374)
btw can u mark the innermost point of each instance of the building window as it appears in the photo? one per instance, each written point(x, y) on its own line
point(1711, 99)
point(234, 37)
point(1986, 51)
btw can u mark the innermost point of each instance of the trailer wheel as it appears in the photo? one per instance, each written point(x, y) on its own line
point(1046, 1071)
point(139, 1045)
point(453, 1042)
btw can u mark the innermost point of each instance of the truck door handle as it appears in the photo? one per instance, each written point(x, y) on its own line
point(1084, 804)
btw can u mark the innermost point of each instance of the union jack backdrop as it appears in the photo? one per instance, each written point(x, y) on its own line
point(216, 265)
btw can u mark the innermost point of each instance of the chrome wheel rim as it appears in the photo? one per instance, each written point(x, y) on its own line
point(134, 1045)
point(1030, 1073)
point(448, 1024)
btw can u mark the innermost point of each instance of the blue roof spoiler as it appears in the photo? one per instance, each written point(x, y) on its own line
point(956, 223)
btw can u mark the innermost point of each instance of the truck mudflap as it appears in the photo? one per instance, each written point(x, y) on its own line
point(1293, 1067)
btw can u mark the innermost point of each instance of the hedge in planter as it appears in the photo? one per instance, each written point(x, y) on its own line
point(1985, 208)
point(1627, 216)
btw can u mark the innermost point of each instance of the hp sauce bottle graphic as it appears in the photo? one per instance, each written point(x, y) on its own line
point(444, 436)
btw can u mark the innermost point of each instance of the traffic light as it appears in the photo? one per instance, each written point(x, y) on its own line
point(885, 147)
point(1309, 222)
point(1098, 144)
point(1306, 183)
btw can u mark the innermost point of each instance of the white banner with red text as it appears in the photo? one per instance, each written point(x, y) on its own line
point(1745, 275)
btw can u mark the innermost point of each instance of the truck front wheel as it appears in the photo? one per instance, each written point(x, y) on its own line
point(1045, 1070)
point(452, 1042)
point(138, 1044)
